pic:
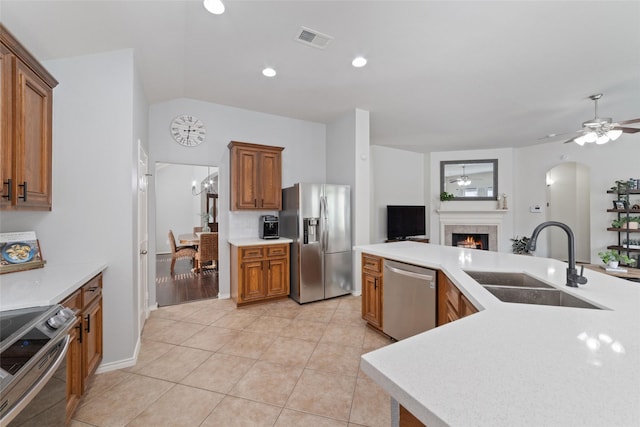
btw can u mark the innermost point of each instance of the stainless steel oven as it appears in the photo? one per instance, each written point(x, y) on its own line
point(33, 348)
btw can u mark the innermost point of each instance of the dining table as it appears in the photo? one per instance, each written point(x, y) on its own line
point(189, 239)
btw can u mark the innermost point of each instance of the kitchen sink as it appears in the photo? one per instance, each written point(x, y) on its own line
point(553, 297)
point(520, 288)
point(519, 280)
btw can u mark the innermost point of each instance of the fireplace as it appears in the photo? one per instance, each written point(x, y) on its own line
point(472, 223)
point(470, 240)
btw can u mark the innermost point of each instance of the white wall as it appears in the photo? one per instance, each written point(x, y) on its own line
point(348, 162)
point(303, 160)
point(96, 125)
point(606, 163)
point(398, 179)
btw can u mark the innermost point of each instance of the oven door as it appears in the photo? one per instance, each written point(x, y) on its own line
point(44, 403)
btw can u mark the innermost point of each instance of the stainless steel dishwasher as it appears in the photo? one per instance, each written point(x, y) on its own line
point(408, 298)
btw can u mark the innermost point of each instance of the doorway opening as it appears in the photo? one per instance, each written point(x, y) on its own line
point(186, 206)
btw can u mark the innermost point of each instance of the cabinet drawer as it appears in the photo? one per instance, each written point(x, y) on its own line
point(74, 302)
point(253, 252)
point(91, 290)
point(372, 263)
point(278, 251)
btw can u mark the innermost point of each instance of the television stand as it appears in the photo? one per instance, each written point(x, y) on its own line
point(409, 239)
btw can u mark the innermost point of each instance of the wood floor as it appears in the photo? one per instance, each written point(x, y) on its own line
point(183, 286)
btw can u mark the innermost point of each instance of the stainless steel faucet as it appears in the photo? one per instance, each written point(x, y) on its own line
point(573, 278)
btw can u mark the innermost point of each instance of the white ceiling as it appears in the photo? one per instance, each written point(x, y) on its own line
point(442, 75)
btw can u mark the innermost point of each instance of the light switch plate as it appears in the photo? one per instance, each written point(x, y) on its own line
point(535, 209)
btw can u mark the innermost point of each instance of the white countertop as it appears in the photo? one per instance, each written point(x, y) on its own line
point(516, 364)
point(44, 286)
point(254, 241)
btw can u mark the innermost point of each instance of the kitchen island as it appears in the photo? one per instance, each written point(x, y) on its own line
point(516, 364)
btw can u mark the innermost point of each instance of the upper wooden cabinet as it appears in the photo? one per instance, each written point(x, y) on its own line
point(256, 176)
point(26, 102)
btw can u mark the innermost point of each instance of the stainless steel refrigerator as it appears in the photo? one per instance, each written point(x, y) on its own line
point(318, 219)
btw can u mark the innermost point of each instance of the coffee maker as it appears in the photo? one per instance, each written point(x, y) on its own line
point(269, 227)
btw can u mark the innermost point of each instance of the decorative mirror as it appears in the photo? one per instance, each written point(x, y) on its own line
point(470, 179)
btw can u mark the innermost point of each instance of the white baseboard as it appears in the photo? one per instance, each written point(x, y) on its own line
point(121, 364)
point(223, 296)
point(153, 307)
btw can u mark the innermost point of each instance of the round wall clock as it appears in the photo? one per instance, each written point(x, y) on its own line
point(187, 130)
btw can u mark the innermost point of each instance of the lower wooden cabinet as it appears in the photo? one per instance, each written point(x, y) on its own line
point(85, 348)
point(372, 290)
point(452, 304)
point(259, 273)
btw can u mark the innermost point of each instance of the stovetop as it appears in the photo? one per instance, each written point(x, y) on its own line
point(12, 321)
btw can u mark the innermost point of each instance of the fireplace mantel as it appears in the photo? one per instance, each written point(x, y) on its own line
point(471, 211)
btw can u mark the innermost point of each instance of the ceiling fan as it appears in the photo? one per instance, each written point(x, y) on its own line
point(462, 180)
point(601, 129)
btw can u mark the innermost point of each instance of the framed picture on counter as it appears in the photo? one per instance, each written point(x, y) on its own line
point(19, 251)
point(620, 204)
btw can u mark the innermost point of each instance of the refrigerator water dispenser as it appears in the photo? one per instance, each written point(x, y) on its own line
point(310, 230)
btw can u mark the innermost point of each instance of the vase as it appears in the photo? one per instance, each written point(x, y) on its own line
point(206, 229)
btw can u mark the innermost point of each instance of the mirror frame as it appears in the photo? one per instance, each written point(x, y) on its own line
point(493, 162)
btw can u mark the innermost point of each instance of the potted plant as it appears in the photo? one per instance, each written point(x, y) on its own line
point(519, 245)
point(622, 188)
point(631, 223)
point(444, 196)
point(613, 259)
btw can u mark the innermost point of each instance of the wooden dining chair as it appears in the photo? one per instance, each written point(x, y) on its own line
point(178, 252)
point(207, 251)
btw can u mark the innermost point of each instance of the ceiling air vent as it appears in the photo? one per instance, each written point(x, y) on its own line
point(313, 38)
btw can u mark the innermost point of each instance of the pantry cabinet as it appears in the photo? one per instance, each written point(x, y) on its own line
point(26, 104)
point(256, 176)
point(259, 273)
point(85, 347)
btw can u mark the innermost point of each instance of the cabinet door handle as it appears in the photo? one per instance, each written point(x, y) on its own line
point(8, 183)
point(24, 191)
point(79, 328)
point(375, 283)
point(92, 289)
point(88, 318)
point(255, 203)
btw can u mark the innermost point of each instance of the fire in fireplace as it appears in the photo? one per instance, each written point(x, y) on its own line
point(470, 240)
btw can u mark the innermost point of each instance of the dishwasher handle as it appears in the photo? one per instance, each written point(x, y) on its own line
point(427, 277)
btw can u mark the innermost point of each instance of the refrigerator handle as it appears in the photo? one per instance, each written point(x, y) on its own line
point(323, 222)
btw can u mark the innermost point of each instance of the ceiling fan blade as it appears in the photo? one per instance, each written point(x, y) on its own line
point(628, 122)
point(628, 130)
point(570, 140)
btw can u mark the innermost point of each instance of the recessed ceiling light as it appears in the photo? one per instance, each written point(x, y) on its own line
point(214, 6)
point(269, 72)
point(359, 61)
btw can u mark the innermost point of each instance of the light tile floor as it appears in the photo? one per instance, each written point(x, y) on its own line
point(208, 363)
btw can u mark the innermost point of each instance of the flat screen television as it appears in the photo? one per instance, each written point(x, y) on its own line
point(405, 221)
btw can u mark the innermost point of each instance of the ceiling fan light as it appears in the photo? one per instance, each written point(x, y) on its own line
point(580, 140)
point(602, 139)
point(614, 134)
point(590, 137)
point(214, 6)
